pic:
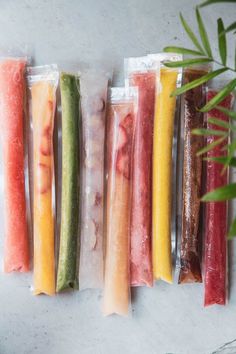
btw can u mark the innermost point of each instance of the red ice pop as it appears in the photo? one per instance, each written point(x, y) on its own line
point(12, 92)
point(216, 216)
point(141, 209)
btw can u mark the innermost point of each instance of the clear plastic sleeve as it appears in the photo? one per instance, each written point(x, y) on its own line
point(68, 258)
point(164, 168)
point(121, 117)
point(12, 114)
point(42, 83)
point(190, 241)
point(216, 216)
point(93, 103)
point(141, 72)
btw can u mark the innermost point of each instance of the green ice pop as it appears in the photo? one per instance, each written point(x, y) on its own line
point(67, 263)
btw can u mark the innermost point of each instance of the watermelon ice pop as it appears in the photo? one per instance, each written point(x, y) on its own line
point(121, 119)
point(94, 96)
point(215, 255)
point(12, 101)
point(67, 264)
point(141, 204)
point(43, 103)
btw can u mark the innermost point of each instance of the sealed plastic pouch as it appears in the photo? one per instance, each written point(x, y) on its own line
point(93, 104)
point(70, 111)
point(13, 148)
point(216, 213)
point(42, 83)
point(164, 167)
point(190, 241)
point(142, 72)
point(122, 111)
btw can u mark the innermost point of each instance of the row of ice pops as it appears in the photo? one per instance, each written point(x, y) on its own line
point(42, 82)
point(129, 164)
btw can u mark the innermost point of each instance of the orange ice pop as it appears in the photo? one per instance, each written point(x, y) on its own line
point(43, 108)
point(12, 93)
point(120, 136)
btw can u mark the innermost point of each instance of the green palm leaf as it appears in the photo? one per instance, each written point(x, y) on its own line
point(220, 96)
point(222, 41)
point(182, 50)
point(191, 34)
point(203, 34)
point(226, 111)
point(219, 194)
point(211, 146)
point(209, 2)
point(221, 123)
point(230, 27)
point(222, 160)
point(231, 149)
point(197, 82)
point(186, 62)
point(208, 132)
point(232, 230)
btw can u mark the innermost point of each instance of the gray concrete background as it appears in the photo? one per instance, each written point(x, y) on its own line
point(165, 319)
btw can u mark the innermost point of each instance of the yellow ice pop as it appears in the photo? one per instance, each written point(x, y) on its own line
point(162, 173)
point(43, 108)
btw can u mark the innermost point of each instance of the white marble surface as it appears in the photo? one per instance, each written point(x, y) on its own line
point(165, 319)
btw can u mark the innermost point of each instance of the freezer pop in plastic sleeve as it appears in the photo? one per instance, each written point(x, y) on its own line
point(216, 216)
point(68, 255)
point(190, 247)
point(12, 104)
point(164, 120)
point(42, 84)
point(142, 75)
point(93, 103)
point(121, 125)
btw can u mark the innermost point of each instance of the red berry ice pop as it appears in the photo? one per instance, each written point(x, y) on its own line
point(215, 260)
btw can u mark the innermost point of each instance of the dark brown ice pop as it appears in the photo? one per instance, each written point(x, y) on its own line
point(190, 268)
